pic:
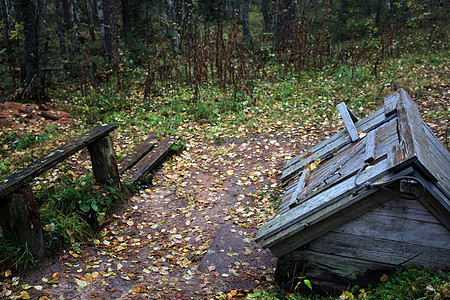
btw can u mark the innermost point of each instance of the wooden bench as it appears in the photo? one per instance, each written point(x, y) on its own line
point(18, 211)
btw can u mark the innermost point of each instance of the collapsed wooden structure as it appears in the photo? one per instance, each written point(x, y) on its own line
point(370, 198)
point(18, 212)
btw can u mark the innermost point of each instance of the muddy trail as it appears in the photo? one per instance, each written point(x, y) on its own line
point(187, 235)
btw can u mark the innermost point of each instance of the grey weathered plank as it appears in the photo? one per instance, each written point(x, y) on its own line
point(406, 208)
point(151, 160)
point(412, 135)
point(53, 158)
point(348, 121)
point(390, 103)
point(137, 154)
point(337, 166)
point(342, 270)
point(318, 202)
point(380, 226)
point(379, 114)
point(370, 146)
point(386, 137)
point(330, 147)
point(381, 250)
point(299, 187)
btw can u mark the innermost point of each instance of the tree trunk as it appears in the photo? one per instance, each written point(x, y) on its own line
point(62, 42)
point(174, 25)
point(236, 9)
point(6, 26)
point(88, 20)
point(245, 22)
point(266, 16)
point(125, 20)
point(76, 43)
point(30, 71)
point(283, 25)
point(67, 13)
point(110, 29)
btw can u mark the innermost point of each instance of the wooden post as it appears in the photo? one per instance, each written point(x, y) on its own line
point(104, 163)
point(20, 216)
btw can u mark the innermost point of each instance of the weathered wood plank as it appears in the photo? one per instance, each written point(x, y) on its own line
point(282, 236)
point(137, 154)
point(406, 208)
point(381, 226)
point(390, 104)
point(360, 125)
point(386, 136)
point(321, 222)
point(151, 160)
point(370, 146)
point(412, 135)
point(381, 250)
point(318, 202)
point(299, 187)
point(348, 121)
point(330, 146)
point(51, 159)
point(342, 270)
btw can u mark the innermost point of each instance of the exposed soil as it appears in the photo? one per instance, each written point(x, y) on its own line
point(17, 116)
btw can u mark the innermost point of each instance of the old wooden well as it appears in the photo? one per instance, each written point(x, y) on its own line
point(370, 198)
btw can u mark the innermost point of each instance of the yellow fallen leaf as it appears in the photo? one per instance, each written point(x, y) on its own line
point(383, 278)
point(8, 273)
point(230, 172)
point(24, 295)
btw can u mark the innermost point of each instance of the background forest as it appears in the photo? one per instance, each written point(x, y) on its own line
point(214, 73)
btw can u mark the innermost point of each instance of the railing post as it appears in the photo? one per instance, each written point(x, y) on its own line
point(20, 216)
point(104, 163)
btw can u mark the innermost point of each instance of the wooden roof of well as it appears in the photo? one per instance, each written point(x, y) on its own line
point(331, 176)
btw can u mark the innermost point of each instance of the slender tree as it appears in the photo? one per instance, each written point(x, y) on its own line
point(283, 26)
point(31, 75)
point(125, 20)
point(245, 21)
point(266, 15)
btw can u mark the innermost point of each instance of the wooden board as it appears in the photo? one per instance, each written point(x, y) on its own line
point(151, 160)
point(386, 136)
point(348, 121)
point(331, 146)
point(53, 158)
point(360, 125)
point(137, 154)
point(412, 135)
point(369, 154)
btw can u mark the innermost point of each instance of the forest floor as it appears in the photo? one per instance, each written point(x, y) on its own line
point(189, 233)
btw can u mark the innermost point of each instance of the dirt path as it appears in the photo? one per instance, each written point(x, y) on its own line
point(186, 236)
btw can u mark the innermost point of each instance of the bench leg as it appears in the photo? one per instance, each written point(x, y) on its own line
point(20, 216)
point(104, 163)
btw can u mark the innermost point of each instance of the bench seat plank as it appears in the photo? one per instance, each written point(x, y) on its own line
point(137, 154)
point(53, 158)
point(151, 160)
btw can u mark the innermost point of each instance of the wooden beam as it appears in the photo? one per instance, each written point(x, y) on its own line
point(51, 159)
point(137, 154)
point(349, 122)
point(151, 160)
point(369, 155)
